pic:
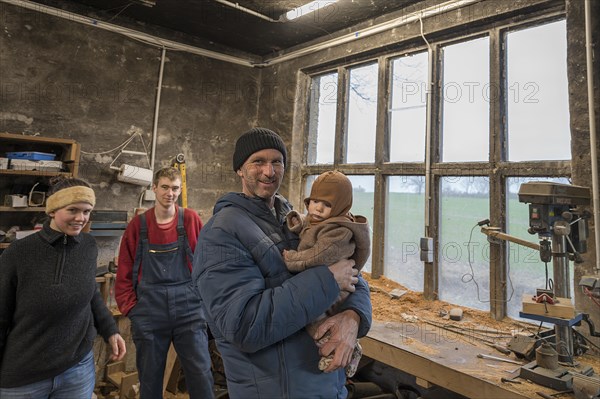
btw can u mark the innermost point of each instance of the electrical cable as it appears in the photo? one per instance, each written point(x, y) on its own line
point(564, 345)
point(467, 277)
point(596, 347)
point(589, 294)
point(422, 34)
point(120, 146)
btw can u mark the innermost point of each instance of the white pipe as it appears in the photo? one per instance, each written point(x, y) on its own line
point(428, 129)
point(592, 118)
point(246, 10)
point(143, 37)
point(157, 109)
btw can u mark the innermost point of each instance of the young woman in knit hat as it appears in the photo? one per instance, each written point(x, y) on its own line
point(328, 233)
point(50, 306)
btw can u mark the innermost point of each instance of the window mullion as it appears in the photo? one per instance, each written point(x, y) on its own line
point(498, 266)
point(341, 136)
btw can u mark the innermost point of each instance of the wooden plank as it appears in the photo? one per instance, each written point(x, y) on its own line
point(115, 367)
point(116, 377)
point(126, 385)
point(171, 358)
point(423, 383)
point(563, 309)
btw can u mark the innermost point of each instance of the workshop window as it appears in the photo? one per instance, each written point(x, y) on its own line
point(405, 212)
point(463, 251)
point(526, 271)
point(362, 114)
point(408, 108)
point(465, 101)
point(537, 93)
point(321, 123)
point(496, 95)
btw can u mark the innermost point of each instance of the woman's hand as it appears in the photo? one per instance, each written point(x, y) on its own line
point(117, 344)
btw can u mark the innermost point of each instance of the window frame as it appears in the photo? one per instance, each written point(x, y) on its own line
point(497, 169)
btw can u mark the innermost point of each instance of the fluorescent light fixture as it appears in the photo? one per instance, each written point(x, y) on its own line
point(306, 9)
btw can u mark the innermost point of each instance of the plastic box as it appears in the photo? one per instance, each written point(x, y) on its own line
point(31, 156)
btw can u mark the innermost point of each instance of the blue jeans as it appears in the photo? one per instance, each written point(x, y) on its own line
point(75, 383)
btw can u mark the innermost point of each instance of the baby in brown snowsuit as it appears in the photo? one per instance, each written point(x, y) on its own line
point(329, 233)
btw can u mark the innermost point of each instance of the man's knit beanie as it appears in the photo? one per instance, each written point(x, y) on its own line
point(256, 139)
point(333, 187)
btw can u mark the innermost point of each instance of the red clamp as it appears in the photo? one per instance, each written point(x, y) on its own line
point(544, 298)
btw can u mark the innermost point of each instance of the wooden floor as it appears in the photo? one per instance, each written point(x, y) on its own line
point(446, 359)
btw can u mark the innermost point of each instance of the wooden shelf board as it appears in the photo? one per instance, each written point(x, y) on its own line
point(27, 209)
point(33, 173)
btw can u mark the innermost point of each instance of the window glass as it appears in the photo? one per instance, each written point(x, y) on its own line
point(408, 108)
point(466, 96)
point(537, 94)
point(405, 218)
point(321, 124)
point(362, 114)
point(525, 269)
point(463, 251)
point(363, 202)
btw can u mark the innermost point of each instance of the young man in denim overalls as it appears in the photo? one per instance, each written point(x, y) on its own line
point(154, 289)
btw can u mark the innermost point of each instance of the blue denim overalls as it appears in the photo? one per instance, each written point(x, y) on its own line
point(168, 309)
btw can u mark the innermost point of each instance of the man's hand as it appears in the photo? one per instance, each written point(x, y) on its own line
point(338, 333)
point(345, 274)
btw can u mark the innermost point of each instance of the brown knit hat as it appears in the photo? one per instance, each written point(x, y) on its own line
point(335, 188)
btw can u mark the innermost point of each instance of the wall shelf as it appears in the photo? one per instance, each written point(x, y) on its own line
point(21, 181)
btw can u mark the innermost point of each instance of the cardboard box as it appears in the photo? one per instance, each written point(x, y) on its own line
point(564, 309)
point(3, 163)
point(16, 200)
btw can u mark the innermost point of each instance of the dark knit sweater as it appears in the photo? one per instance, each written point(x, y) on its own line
point(50, 306)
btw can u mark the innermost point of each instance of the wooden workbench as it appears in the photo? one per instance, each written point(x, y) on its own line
point(440, 357)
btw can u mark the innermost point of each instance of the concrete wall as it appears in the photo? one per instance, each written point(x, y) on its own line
point(60, 78)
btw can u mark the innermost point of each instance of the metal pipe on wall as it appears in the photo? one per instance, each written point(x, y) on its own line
point(247, 10)
point(157, 109)
point(593, 137)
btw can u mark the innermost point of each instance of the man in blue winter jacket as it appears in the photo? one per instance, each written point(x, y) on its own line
point(256, 309)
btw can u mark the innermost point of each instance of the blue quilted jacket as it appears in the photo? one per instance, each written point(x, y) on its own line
point(257, 310)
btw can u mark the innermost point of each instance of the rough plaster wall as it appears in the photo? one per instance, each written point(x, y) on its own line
point(580, 137)
point(205, 105)
point(63, 79)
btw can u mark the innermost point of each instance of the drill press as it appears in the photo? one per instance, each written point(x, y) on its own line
point(563, 233)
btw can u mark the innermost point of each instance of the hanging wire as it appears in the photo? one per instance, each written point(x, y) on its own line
point(467, 277)
point(119, 147)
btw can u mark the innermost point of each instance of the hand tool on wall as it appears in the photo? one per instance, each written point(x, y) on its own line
point(179, 163)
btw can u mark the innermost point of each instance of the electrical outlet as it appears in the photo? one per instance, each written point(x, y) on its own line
point(149, 195)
